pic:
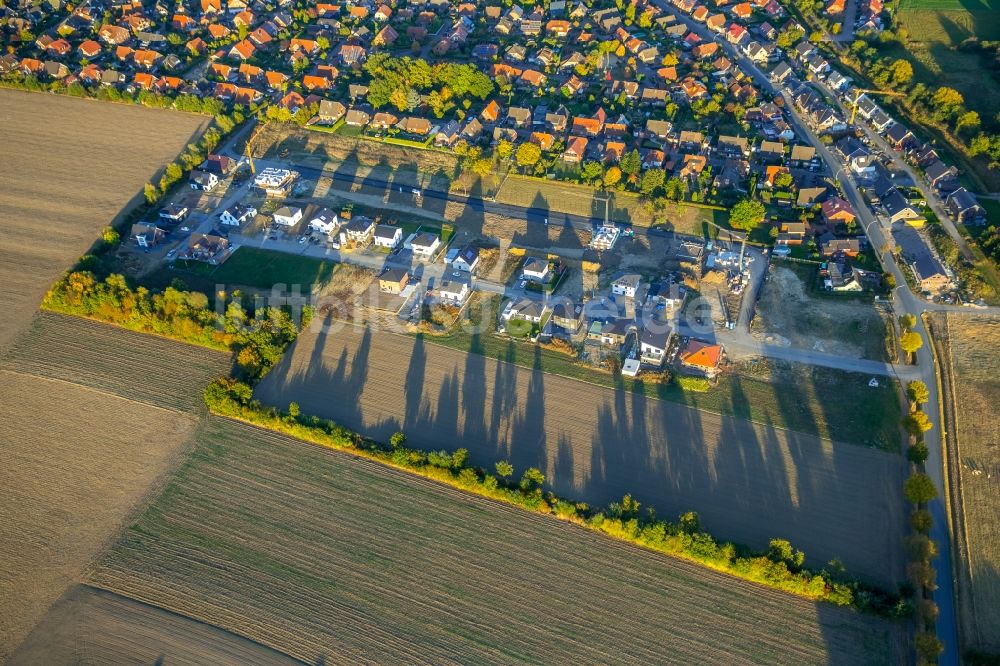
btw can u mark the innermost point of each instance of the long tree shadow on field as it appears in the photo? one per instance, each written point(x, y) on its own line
point(312, 384)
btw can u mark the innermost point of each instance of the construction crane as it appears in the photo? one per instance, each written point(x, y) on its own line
point(887, 93)
point(248, 148)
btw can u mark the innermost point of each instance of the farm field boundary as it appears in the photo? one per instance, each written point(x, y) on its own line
point(437, 572)
point(603, 444)
point(146, 368)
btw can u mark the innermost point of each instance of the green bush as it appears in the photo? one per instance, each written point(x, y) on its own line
point(696, 384)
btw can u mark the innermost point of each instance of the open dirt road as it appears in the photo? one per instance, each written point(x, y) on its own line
point(749, 483)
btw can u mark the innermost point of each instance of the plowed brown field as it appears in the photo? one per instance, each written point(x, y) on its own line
point(68, 167)
point(90, 626)
point(153, 370)
point(973, 383)
point(749, 483)
point(339, 560)
point(75, 463)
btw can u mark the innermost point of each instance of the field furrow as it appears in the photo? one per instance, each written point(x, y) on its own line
point(76, 462)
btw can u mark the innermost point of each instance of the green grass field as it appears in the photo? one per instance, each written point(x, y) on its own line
point(252, 267)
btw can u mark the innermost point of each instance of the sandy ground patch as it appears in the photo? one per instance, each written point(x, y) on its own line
point(787, 314)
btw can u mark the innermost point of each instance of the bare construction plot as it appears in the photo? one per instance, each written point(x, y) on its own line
point(972, 382)
point(335, 559)
point(749, 483)
point(89, 625)
point(69, 167)
point(75, 463)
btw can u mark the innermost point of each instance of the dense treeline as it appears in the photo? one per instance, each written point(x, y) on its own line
point(781, 567)
point(258, 339)
point(400, 81)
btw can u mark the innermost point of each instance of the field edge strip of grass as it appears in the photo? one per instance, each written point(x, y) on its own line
point(780, 569)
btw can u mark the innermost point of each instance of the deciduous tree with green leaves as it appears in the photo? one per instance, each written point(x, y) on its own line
point(746, 215)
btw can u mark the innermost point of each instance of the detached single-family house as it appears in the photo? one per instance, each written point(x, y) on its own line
point(701, 358)
point(388, 235)
point(237, 215)
point(653, 344)
point(567, 316)
point(836, 210)
point(203, 180)
point(525, 309)
point(359, 230)
point(535, 269)
point(174, 213)
point(964, 208)
point(393, 280)
point(425, 244)
point(325, 221)
point(147, 235)
point(288, 216)
point(454, 291)
point(626, 285)
point(899, 209)
point(467, 259)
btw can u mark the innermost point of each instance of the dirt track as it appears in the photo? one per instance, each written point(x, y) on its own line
point(69, 166)
point(338, 560)
point(749, 483)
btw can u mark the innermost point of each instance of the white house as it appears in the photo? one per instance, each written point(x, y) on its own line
point(203, 180)
point(455, 291)
point(626, 285)
point(467, 259)
point(387, 235)
point(237, 214)
point(525, 309)
point(358, 229)
point(425, 245)
point(174, 213)
point(653, 345)
point(324, 222)
point(288, 216)
point(535, 269)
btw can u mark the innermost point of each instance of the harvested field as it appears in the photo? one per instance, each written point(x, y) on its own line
point(787, 313)
point(153, 370)
point(973, 377)
point(88, 625)
point(335, 559)
point(76, 463)
point(595, 444)
point(66, 178)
